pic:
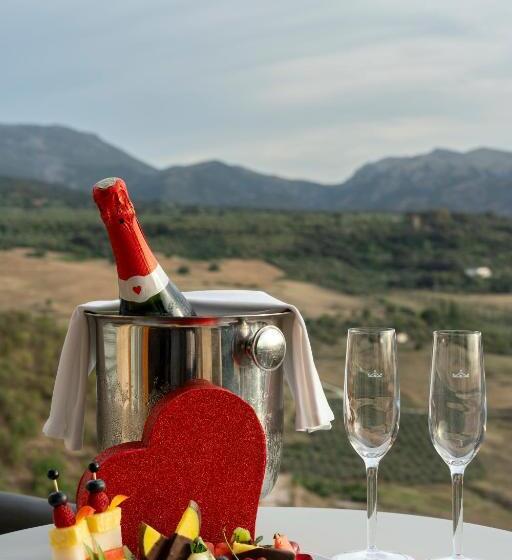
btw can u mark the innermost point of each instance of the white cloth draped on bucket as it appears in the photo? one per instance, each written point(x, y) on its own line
point(78, 359)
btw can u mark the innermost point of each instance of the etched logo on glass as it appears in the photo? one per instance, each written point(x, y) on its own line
point(374, 373)
point(461, 374)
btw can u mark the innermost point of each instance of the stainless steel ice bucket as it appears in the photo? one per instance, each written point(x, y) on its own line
point(138, 359)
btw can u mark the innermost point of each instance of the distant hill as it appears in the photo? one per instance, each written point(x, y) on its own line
point(29, 193)
point(57, 154)
point(476, 181)
point(214, 183)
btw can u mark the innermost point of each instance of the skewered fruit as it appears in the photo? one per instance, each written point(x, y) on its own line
point(67, 543)
point(70, 534)
point(106, 529)
point(96, 487)
point(63, 515)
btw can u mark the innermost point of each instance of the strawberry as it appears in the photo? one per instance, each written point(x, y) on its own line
point(222, 549)
point(96, 487)
point(99, 501)
point(63, 516)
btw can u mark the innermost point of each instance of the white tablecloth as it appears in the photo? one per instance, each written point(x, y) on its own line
point(327, 532)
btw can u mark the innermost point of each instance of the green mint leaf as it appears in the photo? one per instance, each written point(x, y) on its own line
point(198, 546)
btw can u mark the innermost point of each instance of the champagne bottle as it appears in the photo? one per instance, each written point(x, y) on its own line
point(144, 287)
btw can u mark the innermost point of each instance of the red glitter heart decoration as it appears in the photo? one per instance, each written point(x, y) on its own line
point(200, 443)
point(137, 289)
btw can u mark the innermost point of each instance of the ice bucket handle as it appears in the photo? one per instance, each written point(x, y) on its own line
point(266, 348)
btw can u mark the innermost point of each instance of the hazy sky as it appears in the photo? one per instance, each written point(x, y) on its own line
point(303, 88)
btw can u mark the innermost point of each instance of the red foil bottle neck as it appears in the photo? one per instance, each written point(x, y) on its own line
point(131, 250)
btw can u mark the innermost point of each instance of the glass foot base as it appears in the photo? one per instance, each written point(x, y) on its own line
point(458, 557)
point(372, 555)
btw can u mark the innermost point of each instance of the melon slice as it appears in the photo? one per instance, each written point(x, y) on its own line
point(180, 548)
point(115, 554)
point(190, 522)
point(152, 544)
point(186, 533)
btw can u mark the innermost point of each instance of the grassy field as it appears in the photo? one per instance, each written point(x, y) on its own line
point(351, 253)
point(321, 469)
point(57, 281)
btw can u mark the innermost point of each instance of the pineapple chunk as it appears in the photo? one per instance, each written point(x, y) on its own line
point(68, 537)
point(76, 552)
point(101, 522)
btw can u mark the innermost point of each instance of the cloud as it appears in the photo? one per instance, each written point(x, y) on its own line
point(294, 87)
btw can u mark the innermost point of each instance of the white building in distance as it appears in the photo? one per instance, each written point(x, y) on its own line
point(479, 272)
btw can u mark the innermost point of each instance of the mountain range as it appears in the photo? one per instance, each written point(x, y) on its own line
point(475, 181)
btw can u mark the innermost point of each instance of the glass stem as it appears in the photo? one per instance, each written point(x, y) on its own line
point(371, 505)
point(457, 511)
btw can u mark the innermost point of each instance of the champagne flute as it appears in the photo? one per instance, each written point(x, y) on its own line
point(457, 411)
point(371, 407)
